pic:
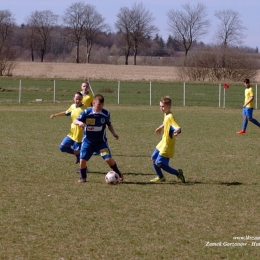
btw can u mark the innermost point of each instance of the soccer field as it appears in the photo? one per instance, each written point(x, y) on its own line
point(46, 214)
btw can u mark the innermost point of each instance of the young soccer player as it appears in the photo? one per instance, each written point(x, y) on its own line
point(94, 121)
point(87, 98)
point(165, 148)
point(72, 142)
point(248, 108)
point(87, 95)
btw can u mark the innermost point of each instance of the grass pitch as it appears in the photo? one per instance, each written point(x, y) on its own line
point(46, 214)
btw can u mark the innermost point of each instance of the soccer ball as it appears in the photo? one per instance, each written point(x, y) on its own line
point(112, 178)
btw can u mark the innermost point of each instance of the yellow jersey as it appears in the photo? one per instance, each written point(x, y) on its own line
point(167, 145)
point(76, 132)
point(248, 94)
point(87, 99)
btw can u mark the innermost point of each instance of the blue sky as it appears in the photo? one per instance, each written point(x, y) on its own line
point(249, 11)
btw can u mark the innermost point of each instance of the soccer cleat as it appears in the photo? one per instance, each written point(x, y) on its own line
point(121, 177)
point(181, 176)
point(241, 132)
point(157, 179)
point(81, 180)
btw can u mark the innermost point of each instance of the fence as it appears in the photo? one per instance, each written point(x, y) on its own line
point(124, 93)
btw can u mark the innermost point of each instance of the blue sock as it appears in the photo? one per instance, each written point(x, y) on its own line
point(170, 170)
point(254, 121)
point(83, 173)
point(158, 171)
point(244, 124)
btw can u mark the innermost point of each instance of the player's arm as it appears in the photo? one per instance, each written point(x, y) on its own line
point(79, 123)
point(159, 129)
point(111, 129)
point(176, 127)
point(58, 114)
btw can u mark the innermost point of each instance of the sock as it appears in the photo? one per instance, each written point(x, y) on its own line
point(244, 124)
point(115, 169)
point(254, 121)
point(158, 171)
point(83, 173)
point(170, 170)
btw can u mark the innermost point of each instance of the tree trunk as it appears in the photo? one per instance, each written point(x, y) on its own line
point(89, 45)
point(127, 52)
point(77, 52)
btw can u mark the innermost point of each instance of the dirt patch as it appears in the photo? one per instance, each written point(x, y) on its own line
point(95, 71)
point(99, 72)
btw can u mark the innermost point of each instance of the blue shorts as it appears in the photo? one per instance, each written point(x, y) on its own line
point(87, 150)
point(248, 112)
point(158, 159)
point(68, 142)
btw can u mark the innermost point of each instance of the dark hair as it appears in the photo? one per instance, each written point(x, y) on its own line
point(166, 100)
point(78, 93)
point(99, 98)
point(247, 81)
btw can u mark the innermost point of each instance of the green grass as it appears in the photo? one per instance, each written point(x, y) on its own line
point(131, 93)
point(46, 214)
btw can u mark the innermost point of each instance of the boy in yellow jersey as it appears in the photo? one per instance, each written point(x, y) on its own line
point(248, 108)
point(165, 148)
point(87, 95)
point(72, 142)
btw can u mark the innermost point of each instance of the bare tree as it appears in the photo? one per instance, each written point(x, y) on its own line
point(41, 24)
point(94, 25)
point(123, 25)
point(141, 28)
point(74, 19)
point(230, 30)
point(136, 26)
point(6, 30)
point(189, 25)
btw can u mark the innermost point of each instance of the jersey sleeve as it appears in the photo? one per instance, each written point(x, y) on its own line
point(68, 112)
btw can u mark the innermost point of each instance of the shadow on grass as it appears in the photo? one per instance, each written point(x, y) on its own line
point(235, 183)
point(188, 183)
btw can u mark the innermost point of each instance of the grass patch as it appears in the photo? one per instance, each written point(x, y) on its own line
point(131, 93)
point(46, 214)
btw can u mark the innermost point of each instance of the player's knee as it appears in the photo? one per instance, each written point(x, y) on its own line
point(62, 148)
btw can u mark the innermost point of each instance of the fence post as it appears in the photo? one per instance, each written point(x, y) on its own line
point(256, 96)
point(184, 93)
point(54, 91)
point(150, 93)
point(118, 91)
point(224, 98)
point(20, 91)
point(219, 95)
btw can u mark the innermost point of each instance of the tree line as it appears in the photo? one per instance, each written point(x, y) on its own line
point(83, 36)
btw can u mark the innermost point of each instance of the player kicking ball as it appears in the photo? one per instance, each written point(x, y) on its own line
point(165, 149)
point(94, 121)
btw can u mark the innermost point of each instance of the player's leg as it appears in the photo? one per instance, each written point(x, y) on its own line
point(66, 145)
point(76, 148)
point(164, 164)
point(250, 117)
point(107, 156)
point(85, 154)
point(244, 123)
point(157, 167)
